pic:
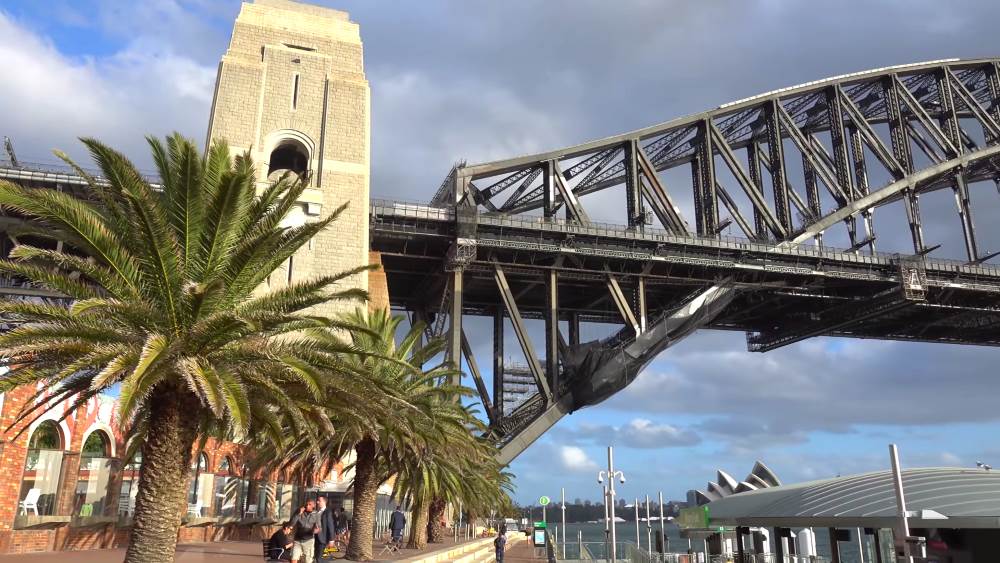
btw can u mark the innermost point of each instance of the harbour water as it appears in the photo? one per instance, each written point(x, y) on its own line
point(625, 533)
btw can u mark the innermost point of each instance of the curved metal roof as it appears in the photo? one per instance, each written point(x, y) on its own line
point(935, 497)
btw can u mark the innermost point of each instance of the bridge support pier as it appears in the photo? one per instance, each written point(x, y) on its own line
point(498, 367)
point(454, 347)
point(552, 329)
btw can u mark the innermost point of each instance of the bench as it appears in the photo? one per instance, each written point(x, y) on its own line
point(274, 554)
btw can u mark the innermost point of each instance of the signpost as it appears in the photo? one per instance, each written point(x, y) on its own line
point(693, 517)
point(538, 539)
point(544, 501)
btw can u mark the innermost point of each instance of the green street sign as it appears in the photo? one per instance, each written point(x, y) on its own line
point(544, 501)
point(693, 517)
point(540, 525)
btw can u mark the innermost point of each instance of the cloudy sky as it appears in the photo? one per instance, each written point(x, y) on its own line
point(486, 80)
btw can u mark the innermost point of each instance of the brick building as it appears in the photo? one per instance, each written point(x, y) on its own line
point(66, 485)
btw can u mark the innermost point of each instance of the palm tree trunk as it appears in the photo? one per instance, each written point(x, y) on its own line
point(365, 496)
point(435, 531)
point(163, 479)
point(418, 530)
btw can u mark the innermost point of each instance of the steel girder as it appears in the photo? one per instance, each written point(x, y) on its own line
point(582, 255)
point(657, 263)
point(845, 110)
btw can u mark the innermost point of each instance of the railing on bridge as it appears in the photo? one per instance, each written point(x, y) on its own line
point(383, 208)
point(62, 169)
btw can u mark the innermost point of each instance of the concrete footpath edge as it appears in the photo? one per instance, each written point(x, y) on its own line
point(477, 551)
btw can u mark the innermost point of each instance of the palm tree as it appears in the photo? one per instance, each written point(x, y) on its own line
point(459, 468)
point(405, 426)
point(168, 308)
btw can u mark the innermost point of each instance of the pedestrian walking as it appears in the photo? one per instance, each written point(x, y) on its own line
point(500, 544)
point(326, 535)
point(397, 522)
point(341, 532)
point(305, 526)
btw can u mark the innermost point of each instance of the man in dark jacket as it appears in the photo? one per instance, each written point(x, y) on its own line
point(326, 535)
point(397, 522)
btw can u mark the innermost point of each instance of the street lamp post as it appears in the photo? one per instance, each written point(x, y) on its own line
point(563, 506)
point(607, 525)
point(663, 539)
point(649, 528)
point(611, 475)
point(638, 543)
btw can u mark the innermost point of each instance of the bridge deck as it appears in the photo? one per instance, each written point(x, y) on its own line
point(786, 285)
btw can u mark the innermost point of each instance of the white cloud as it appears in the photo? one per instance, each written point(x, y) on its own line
point(644, 433)
point(638, 433)
point(574, 459)
point(755, 401)
point(142, 89)
point(453, 120)
point(950, 459)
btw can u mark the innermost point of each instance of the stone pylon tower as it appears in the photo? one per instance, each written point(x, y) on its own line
point(291, 89)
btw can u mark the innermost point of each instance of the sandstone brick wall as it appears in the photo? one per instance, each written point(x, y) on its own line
point(273, 42)
point(378, 288)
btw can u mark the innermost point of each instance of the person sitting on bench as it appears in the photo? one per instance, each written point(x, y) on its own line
point(280, 545)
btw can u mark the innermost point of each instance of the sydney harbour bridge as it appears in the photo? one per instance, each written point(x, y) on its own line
point(793, 174)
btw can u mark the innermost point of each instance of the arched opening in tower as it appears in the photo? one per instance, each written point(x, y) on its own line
point(289, 156)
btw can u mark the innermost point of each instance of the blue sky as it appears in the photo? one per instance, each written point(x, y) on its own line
point(487, 80)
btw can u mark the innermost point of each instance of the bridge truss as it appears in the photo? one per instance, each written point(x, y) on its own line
point(788, 170)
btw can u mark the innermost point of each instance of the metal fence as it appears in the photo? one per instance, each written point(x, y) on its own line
point(768, 558)
point(624, 551)
point(628, 552)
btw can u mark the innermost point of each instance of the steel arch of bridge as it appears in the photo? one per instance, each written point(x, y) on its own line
point(922, 104)
point(785, 168)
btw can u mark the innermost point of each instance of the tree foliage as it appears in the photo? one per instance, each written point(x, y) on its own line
point(168, 308)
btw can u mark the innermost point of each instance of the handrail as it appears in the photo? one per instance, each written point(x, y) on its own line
point(426, 211)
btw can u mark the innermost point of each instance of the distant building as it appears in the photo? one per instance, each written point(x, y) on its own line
point(956, 512)
point(760, 477)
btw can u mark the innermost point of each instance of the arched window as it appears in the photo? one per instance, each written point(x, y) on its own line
point(98, 444)
point(200, 492)
point(288, 155)
point(229, 490)
point(42, 470)
point(94, 476)
point(130, 486)
point(287, 496)
point(260, 498)
point(46, 437)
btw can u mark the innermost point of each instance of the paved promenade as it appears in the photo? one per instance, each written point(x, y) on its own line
point(520, 552)
point(219, 552)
